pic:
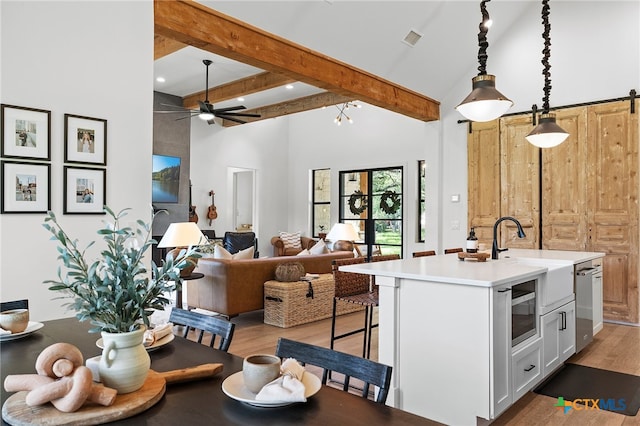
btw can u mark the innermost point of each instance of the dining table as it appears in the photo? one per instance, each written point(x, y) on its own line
point(202, 402)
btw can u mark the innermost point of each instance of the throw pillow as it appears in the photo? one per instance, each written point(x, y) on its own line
point(319, 248)
point(291, 239)
point(244, 254)
point(220, 252)
point(304, 252)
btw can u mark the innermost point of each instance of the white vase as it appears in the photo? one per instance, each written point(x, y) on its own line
point(125, 362)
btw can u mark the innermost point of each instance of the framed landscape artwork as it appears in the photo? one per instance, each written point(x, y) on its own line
point(26, 133)
point(85, 140)
point(25, 187)
point(165, 179)
point(85, 190)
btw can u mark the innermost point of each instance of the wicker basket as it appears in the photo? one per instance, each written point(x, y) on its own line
point(289, 272)
point(294, 303)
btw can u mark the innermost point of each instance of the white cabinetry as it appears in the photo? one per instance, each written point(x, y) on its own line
point(527, 368)
point(501, 349)
point(559, 336)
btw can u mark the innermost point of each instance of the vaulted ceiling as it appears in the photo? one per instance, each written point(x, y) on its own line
point(251, 62)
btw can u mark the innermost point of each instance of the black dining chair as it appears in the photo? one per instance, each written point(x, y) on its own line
point(201, 323)
point(14, 304)
point(370, 372)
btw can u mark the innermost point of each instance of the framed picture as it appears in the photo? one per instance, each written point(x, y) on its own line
point(26, 132)
point(25, 187)
point(85, 140)
point(85, 190)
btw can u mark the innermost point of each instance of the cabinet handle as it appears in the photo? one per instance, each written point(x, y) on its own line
point(504, 290)
point(563, 319)
point(531, 367)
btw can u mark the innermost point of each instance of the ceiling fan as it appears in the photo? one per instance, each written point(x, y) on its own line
point(207, 112)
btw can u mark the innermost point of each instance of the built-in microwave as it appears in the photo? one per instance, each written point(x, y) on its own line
point(524, 314)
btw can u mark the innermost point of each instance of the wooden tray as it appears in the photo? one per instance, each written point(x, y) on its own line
point(16, 412)
point(480, 257)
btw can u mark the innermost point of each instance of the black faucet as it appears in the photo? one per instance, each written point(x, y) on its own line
point(494, 249)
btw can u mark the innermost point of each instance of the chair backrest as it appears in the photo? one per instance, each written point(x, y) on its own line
point(384, 257)
point(453, 250)
point(349, 283)
point(235, 241)
point(201, 323)
point(370, 372)
point(424, 253)
point(14, 304)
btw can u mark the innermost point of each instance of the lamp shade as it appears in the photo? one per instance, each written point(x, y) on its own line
point(547, 133)
point(182, 234)
point(343, 231)
point(485, 102)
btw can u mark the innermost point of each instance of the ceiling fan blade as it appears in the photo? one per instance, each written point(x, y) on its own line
point(174, 106)
point(206, 107)
point(188, 116)
point(224, 117)
point(186, 111)
point(239, 114)
point(233, 108)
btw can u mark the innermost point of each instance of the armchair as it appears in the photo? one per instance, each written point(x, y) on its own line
point(280, 250)
point(233, 242)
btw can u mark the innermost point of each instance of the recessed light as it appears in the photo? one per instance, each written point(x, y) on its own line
point(289, 86)
point(160, 80)
point(240, 99)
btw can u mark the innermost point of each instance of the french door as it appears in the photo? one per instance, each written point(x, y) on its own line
point(372, 201)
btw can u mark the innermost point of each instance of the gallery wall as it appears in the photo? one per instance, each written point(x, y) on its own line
point(92, 59)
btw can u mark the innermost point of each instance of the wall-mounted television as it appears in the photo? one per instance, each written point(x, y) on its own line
point(165, 179)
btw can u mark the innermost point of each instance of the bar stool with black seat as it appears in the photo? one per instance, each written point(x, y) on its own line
point(351, 366)
point(218, 327)
point(424, 253)
point(351, 287)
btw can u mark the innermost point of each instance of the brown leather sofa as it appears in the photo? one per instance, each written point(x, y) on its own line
point(280, 250)
point(232, 287)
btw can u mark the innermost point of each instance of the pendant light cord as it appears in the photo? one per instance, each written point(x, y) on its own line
point(483, 44)
point(546, 71)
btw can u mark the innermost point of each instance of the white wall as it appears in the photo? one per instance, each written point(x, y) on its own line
point(87, 58)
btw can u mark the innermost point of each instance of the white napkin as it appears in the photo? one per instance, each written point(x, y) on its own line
point(3, 331)
point(157, 333)
point(286, 388)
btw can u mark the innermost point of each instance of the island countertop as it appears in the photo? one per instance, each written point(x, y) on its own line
point(521, 264)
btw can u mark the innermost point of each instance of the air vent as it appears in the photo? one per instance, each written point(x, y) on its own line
point(412, 38)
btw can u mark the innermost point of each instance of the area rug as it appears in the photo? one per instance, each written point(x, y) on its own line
point(609, 390)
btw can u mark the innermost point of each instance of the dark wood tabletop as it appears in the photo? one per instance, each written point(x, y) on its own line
point(203, 402)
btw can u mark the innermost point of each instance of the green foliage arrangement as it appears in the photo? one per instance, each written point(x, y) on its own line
point(114, 292)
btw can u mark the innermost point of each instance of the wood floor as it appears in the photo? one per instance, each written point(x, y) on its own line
point(616, 347)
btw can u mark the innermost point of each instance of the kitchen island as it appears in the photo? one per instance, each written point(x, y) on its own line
point(448, 328)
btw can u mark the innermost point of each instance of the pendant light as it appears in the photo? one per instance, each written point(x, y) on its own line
point(485, 102)
point(547, 133)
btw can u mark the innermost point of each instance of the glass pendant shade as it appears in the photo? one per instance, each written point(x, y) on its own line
point(485, 102)
point(547, 133)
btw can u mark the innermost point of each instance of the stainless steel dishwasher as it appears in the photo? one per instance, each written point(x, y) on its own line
point(588, 277)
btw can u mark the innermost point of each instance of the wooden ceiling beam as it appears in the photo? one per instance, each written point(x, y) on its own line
point(163, 46)
point(252, 84)
point(292, 106)
point(194, 24)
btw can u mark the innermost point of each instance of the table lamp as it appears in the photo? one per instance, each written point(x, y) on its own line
point(343, 235)
point(181, 235)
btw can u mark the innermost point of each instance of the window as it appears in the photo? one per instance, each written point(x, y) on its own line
point(371, 200)
point(321, 201)
point(421, 200)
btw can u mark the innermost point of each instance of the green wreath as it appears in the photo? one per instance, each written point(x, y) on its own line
point(390, 202)
point(357, 202)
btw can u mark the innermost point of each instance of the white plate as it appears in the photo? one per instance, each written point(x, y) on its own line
point(234, 387)
point(31, 327)
point(156, 345)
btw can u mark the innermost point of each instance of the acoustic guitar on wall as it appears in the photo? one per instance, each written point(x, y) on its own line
point(212, 213)
point(193, 216)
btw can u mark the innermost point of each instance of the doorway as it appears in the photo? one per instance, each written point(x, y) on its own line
point(372, 201)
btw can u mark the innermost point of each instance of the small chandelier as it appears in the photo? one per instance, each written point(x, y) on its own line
point(485, 102)
point(547, 133)
point(342, 114)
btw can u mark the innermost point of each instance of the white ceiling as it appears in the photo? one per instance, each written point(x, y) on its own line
point(365, 34)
